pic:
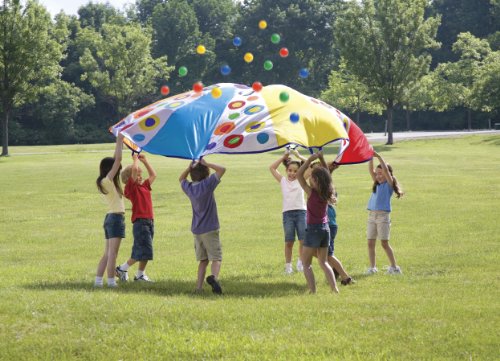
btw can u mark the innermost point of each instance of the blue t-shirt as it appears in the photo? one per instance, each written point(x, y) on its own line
point(381, 199)
point(332, 215)
point(201, 195)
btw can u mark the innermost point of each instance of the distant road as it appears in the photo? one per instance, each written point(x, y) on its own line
point(431, 134)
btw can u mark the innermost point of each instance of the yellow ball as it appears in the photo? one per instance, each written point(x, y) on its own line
point(216, 93)
point(248, 57)
point(262, 24)
point(200, 49)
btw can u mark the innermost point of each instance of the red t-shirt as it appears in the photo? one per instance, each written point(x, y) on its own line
point(316, 209)
point(140, 196)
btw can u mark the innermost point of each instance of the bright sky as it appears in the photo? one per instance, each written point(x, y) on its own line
point(71, 7)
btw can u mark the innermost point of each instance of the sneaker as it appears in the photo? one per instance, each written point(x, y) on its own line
point(289, 269)
point(216, 288)
point(122, 275)
point(394, 271)
point(347, 281)
point(371, 271)
point(98, 285)
point(142, 278)
point(300, 267)
point(112, 285)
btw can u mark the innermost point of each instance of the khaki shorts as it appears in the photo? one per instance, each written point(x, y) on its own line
point(208, 246)
point(379, 225)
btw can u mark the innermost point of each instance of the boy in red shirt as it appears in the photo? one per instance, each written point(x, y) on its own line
point(139, 193)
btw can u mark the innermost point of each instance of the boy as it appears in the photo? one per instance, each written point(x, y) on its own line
point(205, 221)
point(139, 193)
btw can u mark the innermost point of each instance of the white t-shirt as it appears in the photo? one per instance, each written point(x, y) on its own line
point(293, 195)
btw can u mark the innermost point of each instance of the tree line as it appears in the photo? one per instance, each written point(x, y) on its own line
point(418, 64)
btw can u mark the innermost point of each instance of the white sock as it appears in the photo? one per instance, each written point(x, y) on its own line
point(140, 273)
point(111, 282)
point(98, 280)
point(124, 267)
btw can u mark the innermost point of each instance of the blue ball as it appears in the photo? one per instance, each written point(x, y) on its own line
point(304, 73)
point(225, 69)
point(294, 117)
point(237, 41)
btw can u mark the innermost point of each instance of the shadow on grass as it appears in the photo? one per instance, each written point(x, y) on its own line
point(232, 287)
point(495, 140)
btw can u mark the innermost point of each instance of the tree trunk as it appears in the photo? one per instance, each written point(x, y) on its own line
point(469, 119)
point(5, 133)
point(390, 140)
point(408, 116)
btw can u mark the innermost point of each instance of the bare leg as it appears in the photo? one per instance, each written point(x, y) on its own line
point(389, 252)
point(371, 252)
point(142, 265)
point(288, 251)
point(335, 264)
point(307, 255)
point(215, 268)
point(114, 246)
point(301, 246)
point(202, 269)
point(101, 266)
point(322, 260)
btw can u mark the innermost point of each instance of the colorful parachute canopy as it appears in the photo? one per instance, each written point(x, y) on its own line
point(240, 120)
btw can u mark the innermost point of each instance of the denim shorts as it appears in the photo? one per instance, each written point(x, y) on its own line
point(317, 236)
point(114, 225)
point(333, 233)
point(144, 231)
point(294, 222)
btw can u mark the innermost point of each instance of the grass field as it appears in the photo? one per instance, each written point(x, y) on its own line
point(445, 234)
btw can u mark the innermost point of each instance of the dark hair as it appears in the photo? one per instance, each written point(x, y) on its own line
point(199, 172)
point(324, 184)
point(395, 185)
point(288, 162)
point(104, 168)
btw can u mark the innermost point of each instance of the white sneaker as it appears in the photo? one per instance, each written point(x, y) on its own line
point(142, 278)
point(122, 275)
point(300, 268)
point(394, 271)
point(288, 269)
point(371, 271)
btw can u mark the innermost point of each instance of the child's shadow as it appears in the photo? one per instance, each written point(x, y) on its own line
point(231, 286)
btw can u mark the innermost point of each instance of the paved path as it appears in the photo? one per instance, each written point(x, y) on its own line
point(430, 134)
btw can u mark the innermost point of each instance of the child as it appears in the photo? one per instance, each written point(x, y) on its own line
point(205, 221)
point(320, 192)
point(114, 224)
point(334, 262)
point(294, 207)
point(379, 205)
point(139, 193)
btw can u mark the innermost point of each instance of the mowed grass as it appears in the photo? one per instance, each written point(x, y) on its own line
point(445, 234)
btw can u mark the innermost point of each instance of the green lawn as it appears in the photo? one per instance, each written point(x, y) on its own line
point(445, 234)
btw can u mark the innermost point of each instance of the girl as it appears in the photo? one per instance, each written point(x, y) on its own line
point(114, 224)
point(294, 207)
point(317, 239)
point(379, 205)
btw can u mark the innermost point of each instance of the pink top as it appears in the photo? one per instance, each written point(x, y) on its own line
point(316, 209)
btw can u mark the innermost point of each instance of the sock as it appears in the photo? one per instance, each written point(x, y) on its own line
point(124, 267)
point(140, 273)
point(98, 280)
point(111, 282)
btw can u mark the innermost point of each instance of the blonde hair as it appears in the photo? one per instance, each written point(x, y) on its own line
point(126, 173)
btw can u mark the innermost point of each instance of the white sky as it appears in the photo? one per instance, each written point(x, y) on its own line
point(71, 7)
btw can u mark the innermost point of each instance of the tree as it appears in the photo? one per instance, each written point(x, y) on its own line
point(385, 44)
point(418, 97)
point(486, 91)
point(345, 91)
point(29, 55)
point(119, 65)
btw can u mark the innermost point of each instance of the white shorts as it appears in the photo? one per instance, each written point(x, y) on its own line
point(379, 225)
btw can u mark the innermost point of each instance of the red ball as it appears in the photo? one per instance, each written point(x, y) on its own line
point(198, 87)
point(284, 52)
point(257, 86)
point(165, 90)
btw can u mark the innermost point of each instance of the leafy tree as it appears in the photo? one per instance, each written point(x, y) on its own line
point(457, 80)
point(145, 8)
point(119, 65)
point(418, 97)
point(345, 91)
point(486, 92)
point(29, 56)
point(95, 15)
point(385, 44)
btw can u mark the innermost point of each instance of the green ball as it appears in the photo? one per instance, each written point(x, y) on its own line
point(183, 71)
point(268, 65)
point(284, 96)
point(275, 38)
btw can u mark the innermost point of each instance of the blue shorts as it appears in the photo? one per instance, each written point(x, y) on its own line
point(114, 225)
point(333, 233)
point(317, 236)
point(294, 222)
point(144, 231)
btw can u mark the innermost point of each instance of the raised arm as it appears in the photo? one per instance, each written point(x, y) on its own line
point(185, 173)
point(149, 168)
point(300, 173)
point(385, 170)
point(274, 167)
point(117, 156)
point(322, 159)
point(219, 170)
point(298, 155)
point(371, 170)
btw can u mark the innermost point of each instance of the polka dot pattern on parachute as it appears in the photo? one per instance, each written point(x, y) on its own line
point(149, 123)
point(233, 141)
